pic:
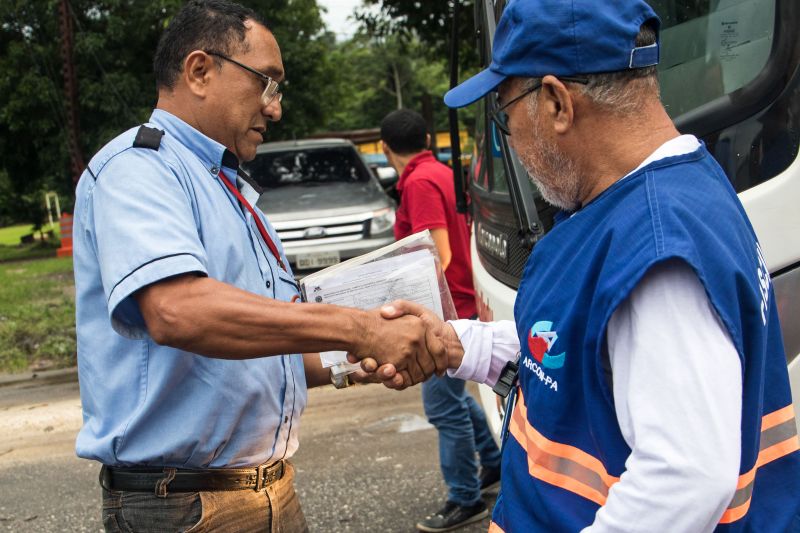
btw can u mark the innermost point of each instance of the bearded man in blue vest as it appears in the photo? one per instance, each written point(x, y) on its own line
point(653, 392)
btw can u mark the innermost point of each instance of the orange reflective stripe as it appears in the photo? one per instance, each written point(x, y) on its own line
point(567, 483)
point(775, 418)
point(552, 469)
point(746, 479)
point(562, 465)
point(494, 528)
point(777, 451)
point(734, 514)
point(564, 450)
point(778, 439)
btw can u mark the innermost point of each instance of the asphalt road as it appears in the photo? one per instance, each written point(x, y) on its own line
point(368, 461)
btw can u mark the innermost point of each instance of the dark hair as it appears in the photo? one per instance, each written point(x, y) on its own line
point(215, 25)
point(404, 131)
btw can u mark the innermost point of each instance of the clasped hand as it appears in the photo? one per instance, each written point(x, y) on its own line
point(405, 345)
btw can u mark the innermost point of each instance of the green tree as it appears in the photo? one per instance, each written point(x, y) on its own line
point(305, 44)
point(380, 74)
point(399, 57)
point(114, 42)
point(430, 22)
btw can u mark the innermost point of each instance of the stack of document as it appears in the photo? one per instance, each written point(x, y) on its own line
point(408, 269)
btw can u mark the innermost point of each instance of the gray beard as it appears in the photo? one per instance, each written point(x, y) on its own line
point(549, 169)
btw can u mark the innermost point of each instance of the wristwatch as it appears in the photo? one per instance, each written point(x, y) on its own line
point(340, 381)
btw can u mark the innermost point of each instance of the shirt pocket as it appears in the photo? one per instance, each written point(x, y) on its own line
point(286, 288)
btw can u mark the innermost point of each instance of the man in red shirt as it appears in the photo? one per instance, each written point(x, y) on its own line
point(427, 201)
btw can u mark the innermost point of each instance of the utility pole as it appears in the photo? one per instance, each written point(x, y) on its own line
point(70, 93)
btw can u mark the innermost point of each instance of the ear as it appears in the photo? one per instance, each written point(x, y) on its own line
point(198, 69)
point(388, 153)
point(558, 104)
point(428, 141)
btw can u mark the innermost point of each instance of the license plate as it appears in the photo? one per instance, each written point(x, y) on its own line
point(317, 260)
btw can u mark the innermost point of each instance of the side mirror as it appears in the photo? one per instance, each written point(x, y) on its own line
point(387, 176)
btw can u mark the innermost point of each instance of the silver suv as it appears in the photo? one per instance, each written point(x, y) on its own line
point(323, 200)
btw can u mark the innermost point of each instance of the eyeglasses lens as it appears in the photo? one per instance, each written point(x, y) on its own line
point(501, 121)
point(271, 92)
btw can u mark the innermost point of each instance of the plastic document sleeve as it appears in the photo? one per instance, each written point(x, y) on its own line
point(408, 269)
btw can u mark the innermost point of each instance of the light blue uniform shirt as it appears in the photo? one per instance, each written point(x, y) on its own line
point(141, 216)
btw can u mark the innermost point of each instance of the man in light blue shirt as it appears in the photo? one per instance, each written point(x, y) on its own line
point(189, 348)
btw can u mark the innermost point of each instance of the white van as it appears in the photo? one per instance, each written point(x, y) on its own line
point(730, 75)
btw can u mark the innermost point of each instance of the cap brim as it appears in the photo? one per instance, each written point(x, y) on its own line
point(474, 88)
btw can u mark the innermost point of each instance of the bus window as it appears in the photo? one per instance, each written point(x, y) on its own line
point(728, 75)
point(711, 48)
point(499, 177)
point(478, 170)
point(488, 171)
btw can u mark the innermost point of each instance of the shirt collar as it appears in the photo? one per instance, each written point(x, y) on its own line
point(682, 145)
point(412, 164)
point(213, 155)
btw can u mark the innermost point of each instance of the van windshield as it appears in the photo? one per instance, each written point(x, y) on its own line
point(308, 167)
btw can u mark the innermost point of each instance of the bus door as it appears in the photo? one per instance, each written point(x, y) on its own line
point(729, 75)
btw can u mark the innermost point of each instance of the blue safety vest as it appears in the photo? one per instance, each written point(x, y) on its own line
point(565, 449)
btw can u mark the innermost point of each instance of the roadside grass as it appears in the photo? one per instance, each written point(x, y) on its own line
point(37, 315)
point(9, 236)
point(11, 248)
point(34, 250)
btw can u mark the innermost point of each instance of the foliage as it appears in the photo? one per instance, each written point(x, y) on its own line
point(379, 75)
point(311, 76)
point(329, 85)
point(115, 88)
point(430, 22)
point(114, 42)
point(413, 39)
point(37, 314)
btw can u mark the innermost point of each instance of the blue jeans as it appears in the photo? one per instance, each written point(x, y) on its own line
point(463, 431)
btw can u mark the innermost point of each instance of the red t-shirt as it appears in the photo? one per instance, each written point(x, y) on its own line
point(428, 201)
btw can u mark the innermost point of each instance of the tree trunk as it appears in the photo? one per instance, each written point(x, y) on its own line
point(398, 89)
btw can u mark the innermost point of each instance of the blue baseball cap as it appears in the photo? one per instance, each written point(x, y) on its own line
point(564, 38)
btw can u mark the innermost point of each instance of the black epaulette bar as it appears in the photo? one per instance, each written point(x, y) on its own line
point(148, 138)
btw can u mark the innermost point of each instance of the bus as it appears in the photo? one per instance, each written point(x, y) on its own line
point(729, 75)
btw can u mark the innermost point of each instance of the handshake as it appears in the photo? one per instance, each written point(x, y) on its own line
point(404, 344)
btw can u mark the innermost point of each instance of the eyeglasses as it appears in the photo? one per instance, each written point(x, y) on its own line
point(499, 115)
point(270, 86)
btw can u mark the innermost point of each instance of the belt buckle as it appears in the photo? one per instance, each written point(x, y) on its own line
point(260, 469)
point(277, 472)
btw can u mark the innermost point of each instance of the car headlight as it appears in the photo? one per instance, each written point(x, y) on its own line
point(382, 221)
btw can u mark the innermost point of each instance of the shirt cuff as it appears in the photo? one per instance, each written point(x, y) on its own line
point(488, 346)
point(126, 319)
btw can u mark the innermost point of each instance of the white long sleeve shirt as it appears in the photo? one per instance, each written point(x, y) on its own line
point(681, 421)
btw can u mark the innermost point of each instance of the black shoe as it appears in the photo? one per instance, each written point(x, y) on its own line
point(453, 516)
point(489, 478)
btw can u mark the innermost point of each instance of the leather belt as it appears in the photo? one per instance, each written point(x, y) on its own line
point(161, 480)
